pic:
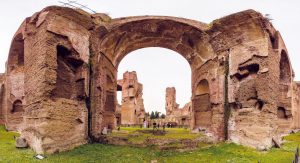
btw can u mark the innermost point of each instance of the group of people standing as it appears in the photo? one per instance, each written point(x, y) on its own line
point(157, 125)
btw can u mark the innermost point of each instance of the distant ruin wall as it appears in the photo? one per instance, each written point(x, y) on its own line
point(2, 97)
point(174, 114)
point(132, 107)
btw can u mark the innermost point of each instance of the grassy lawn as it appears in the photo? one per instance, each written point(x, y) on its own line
point(139, 135)
point(222, 152)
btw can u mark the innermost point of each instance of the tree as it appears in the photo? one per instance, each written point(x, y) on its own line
point(156, 114)
point(152, 115)
point(163, 116)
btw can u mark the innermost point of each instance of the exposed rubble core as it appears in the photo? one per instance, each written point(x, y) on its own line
point(59, 88)
point(132, 108)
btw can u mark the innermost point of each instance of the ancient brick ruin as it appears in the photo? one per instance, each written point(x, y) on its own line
point(59, 88)
point(132, 111)
point(174, 114)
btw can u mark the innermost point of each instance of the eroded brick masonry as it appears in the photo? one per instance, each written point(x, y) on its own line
point(59, 88)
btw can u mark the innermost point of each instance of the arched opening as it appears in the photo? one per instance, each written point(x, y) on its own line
point(17, 107)
point(281, 113)
point(285, 69)
point(285, 79)
point(69, 82)
point(15, 83)
point(16, 53)
point(113, 44)
point(202, 88)
point(273, 39)
point(145, 74)
point(285, 100)
point(202, 105)
point(181, 35)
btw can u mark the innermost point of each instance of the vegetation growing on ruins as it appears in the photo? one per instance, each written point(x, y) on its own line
point(222, 152)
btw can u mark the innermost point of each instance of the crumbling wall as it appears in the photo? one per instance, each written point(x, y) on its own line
point(284, 105)
point(174, 114)
point(2, 97)
point(60, 81)
point(296, 105)
point(14, 93)
point(185, 115)
point(56, 80)
point(103, 96)
point(110, 101)
point(132, 107)
point(250, 84)
point(208, 98)
point(171, 104)
point(253, 81)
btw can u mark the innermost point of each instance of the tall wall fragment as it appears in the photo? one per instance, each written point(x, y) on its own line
point(174, 114)
point(132, 107)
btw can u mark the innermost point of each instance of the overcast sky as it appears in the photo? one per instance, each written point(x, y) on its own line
point(150, 63)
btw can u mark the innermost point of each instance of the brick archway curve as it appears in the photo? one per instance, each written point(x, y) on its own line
point(124, 35)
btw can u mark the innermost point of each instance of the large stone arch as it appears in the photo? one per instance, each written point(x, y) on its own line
point(177, 34)
point(284, 106)
point(237, 55)
point(202, 105)
point(125, 35)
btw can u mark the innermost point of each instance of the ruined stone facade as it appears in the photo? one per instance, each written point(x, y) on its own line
point(60, 82)
point(132, 107)
point(296, 105)
point(2, 110)
point(118, 114)
point(174, 114)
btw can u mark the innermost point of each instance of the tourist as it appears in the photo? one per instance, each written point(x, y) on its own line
point(145, 124)
point(155, 126)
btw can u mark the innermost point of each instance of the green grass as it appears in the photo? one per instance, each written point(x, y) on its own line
point(8, 152)
point(135, 135)
point(222, 152)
